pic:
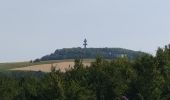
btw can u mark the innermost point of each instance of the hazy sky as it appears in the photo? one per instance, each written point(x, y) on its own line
point(33, 28)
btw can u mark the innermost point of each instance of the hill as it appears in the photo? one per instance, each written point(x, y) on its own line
point(90, 53)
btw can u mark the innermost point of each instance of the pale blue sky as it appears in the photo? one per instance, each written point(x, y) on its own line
point(33, 28)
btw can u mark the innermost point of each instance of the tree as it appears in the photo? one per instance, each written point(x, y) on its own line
point(147, 84)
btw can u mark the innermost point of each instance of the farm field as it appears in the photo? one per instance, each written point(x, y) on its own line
point(47, 67)
point(44, 66)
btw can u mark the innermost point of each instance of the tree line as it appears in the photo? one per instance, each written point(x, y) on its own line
point(107, 53)
point(145, 78)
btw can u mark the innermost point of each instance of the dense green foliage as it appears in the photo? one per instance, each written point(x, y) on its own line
point(107, 53)
point(146, 78)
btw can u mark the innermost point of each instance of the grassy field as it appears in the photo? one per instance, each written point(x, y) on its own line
point(16, 65)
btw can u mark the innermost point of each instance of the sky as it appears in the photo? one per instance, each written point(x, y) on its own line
point(30, 29)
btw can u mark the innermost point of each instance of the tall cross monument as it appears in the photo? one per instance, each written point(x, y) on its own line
point(85, 43)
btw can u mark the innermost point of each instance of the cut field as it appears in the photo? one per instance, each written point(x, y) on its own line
point(47, 67)
point(44, 66)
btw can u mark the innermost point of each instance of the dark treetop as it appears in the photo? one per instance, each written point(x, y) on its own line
point(90, 53)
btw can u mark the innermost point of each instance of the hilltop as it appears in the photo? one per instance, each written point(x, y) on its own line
point(91, 53)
